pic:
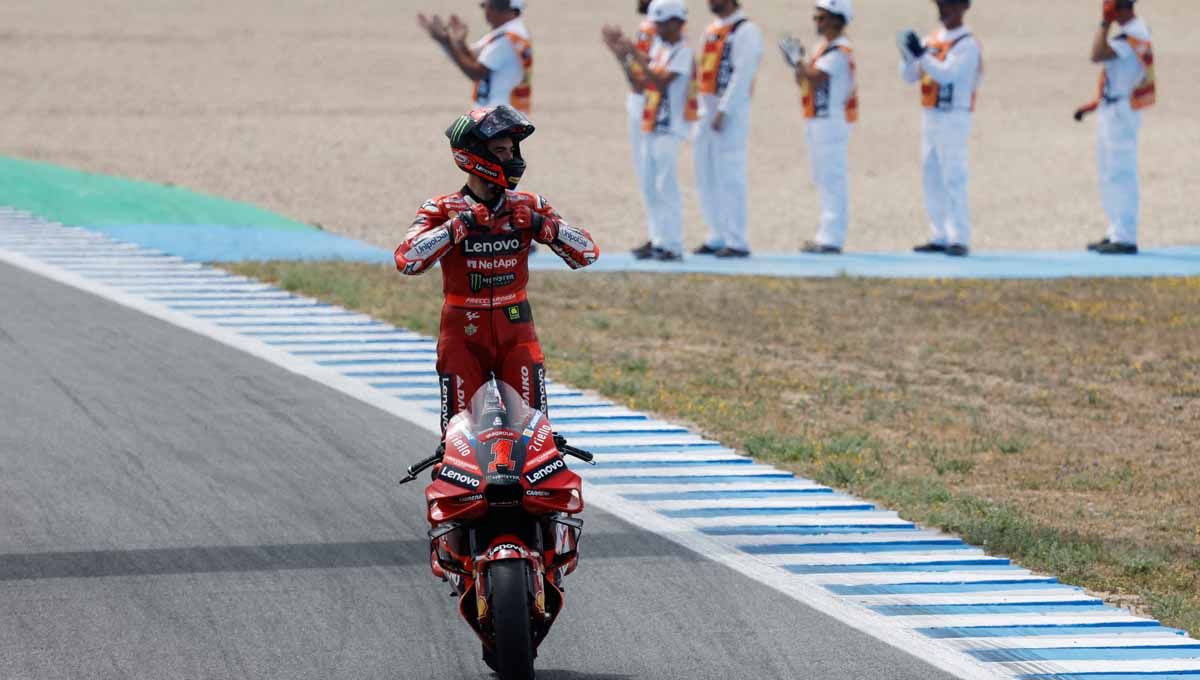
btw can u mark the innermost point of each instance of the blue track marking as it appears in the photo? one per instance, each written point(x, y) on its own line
point(864, 547)
point(365, 342)
point(1184, 651)
point(318, 331)
point(602, 419)
point(807, 530)
point(737, 512)
point(947, 587)
point(400, 353)
point(703, 479)
point(717, 495)
point(659, 448)
point(288, 324)
point(175, 299)
point(259, 306)
point(371, 375)
point(157, 293)
point(1049, 629)
point(405, 384)
point(994, 608)
point(611, 463)
point(940, 565)
point(1148, 675)
point(422, 361)
point(1170, 261)
point(623, 433)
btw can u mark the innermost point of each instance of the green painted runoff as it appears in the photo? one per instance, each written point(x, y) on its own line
point(79, 198)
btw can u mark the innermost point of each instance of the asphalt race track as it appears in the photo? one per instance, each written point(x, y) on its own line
point(170, 508)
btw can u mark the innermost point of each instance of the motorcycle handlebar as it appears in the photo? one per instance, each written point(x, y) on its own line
point(585, 456)
point(417, 468)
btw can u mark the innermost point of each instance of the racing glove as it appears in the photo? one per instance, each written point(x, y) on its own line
point(545, 230)
point(477, 219)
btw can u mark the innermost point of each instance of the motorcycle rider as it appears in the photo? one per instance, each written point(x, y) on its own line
point(482, 234)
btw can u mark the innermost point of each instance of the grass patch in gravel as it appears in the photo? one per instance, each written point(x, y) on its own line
point(1053, 422)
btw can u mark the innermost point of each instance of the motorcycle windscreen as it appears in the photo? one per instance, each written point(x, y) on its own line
point(496, 405)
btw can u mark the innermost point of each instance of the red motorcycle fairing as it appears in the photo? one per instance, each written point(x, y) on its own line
point(496, 457)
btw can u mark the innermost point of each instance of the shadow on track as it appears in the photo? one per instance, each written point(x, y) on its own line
point(215, 559)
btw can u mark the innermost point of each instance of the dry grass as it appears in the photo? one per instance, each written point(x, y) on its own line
point(1056, 422)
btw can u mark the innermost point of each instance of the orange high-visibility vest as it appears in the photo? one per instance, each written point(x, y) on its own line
point(643, 41)
point(816, 105)
point(1146, 93)
point(716, 65)
point(933, 94)
point(655, 108)
point(644, 38)
point(521, 96)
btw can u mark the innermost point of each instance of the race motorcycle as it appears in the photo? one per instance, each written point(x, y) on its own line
point(502, 503)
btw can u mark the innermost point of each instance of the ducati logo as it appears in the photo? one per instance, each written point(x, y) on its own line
point(470, 329)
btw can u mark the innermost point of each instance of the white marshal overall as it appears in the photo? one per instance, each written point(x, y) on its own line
point(949, 72)
point(732, 52)
point(1120, 118)
point(829, 111)
point(665, 127)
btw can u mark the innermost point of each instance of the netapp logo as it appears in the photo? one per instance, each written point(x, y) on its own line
point(545, 471)
point(458, 477)
point(502, 263)
point(505, 245)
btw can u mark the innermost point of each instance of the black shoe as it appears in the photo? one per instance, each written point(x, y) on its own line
point(814, 248)
point(1096, 246)
point(930, 247)
point(644, 251)
point(706, 249)
point(732, 252)
point(957, 250)
point(1114, 248)
point(664, 255)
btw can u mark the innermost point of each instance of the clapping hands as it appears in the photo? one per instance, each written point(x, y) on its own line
point(616, 41)
point(444, 32)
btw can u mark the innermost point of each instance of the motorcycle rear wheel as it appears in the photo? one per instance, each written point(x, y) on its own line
point(508, 582)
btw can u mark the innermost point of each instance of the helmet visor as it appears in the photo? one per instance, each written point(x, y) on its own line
point(504, 121)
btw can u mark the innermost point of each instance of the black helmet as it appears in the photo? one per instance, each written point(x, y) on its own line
point(470, 134)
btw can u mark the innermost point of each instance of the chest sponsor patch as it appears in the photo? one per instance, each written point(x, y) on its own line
point(480, 281)
point(483, 246)
point(492, 264)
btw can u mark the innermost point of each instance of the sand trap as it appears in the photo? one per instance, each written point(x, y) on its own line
point(333, 113)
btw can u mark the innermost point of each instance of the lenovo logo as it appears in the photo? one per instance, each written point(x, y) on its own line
point(502, 246)
point(460, 478)
point(545, 471)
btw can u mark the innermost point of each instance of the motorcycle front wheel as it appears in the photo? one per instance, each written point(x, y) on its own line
point(508, 584)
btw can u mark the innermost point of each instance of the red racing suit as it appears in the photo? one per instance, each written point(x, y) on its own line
point(487, 326)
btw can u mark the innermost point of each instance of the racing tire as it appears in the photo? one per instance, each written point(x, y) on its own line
point(509, 585)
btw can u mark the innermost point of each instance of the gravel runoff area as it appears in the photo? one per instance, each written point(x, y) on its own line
point(333, 113)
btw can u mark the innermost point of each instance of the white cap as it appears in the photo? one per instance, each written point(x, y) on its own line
point(665, 10)
point(842, 7)
point(516, 4)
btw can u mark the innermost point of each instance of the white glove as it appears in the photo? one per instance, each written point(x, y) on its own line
point(793, 50)
point(902, 40)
